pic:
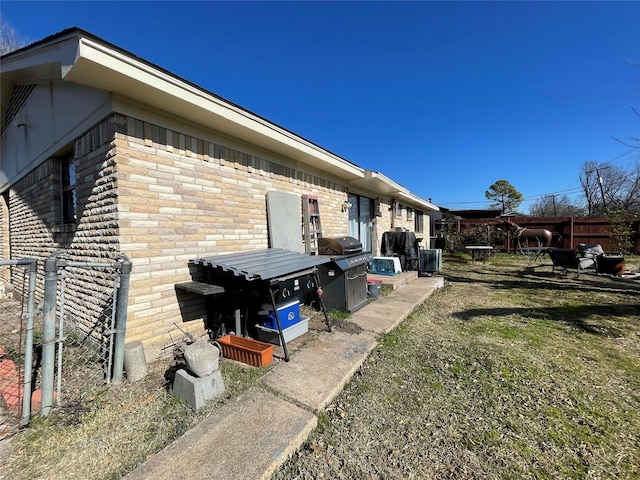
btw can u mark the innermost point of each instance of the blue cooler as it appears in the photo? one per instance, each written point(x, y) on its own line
point(288, 312)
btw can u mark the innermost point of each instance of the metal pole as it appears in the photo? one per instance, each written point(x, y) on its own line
point(112, 330)
point(279, 325)
point(48, 333)
point(63, 286)
point(28, 345)
point(121, 319)
point(604, 202)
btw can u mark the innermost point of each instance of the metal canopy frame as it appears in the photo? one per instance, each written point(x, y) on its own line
point(270, 266)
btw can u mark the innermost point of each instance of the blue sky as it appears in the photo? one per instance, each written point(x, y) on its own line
point(445, 98)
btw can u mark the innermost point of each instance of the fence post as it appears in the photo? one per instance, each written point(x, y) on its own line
point(49, 332)
point(28, 345)
point(121, 319)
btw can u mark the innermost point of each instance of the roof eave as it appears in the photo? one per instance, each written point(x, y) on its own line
point(100, 66)
point(379, 183)
point(77, 56)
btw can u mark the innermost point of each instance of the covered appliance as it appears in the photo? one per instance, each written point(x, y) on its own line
point(344, 278)
point(404, 245)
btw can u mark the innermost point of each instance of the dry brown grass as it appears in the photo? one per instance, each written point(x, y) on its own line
point(117, 429)
point(506, 373)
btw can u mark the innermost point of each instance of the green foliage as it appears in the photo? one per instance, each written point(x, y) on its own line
point(472, 235)
point(504, 195)
point(620, 231)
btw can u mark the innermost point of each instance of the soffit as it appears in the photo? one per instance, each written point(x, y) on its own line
point(378, 183)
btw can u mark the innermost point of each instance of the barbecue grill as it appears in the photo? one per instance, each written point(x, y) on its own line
point(344, 278)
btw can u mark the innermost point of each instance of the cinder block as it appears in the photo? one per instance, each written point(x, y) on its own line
point(196, 392)
point(135, 363)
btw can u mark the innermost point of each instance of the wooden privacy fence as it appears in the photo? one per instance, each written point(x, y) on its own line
point(573, 230)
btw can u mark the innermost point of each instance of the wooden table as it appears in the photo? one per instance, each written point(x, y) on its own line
point(482, 251)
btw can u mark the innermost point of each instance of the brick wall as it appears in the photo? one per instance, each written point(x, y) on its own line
point(182, 197)
point(162, 197)
point(390, 220)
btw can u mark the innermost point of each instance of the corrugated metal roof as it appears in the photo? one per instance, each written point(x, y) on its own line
point(262, 264)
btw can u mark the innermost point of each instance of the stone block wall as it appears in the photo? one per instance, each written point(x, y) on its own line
point(182, 197)
point(162, 197)
point(37, 230)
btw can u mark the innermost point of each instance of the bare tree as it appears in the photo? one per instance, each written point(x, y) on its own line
point(555, 206)
point(9, 40)
point(589, 182)
point(608, 187)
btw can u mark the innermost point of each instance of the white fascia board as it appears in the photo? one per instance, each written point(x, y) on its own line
point(42, 64)
point(102, 67)
point(413, 200)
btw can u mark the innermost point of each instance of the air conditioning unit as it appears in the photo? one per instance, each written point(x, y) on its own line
point(431, 260)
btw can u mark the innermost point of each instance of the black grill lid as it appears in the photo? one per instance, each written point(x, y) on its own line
point(338, 246)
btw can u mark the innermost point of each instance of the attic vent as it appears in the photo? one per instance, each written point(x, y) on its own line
point(19, 96)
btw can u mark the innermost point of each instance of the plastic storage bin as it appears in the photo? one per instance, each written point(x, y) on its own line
point(288, 313)
point(270, 335)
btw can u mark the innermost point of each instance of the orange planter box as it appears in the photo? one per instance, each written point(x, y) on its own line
point(246, 350)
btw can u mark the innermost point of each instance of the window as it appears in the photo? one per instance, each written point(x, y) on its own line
point(69, 200)
point(418, 222)
point(409, 213)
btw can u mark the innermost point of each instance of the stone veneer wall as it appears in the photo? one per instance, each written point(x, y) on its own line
point(182, 197)
point(5, 254)
point(161, 197)
point(31, 217)
point(36, 228)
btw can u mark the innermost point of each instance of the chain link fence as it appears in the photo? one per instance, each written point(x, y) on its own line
point(15, 310)
point(85, 331)
point(73, 340)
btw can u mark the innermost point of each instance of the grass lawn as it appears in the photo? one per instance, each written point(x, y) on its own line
point(507, 372)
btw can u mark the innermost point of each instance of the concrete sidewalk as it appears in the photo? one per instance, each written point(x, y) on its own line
point(252, 436)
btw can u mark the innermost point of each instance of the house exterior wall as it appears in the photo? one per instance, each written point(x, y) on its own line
point(36, 229)
point(162, 196)
point(5, 251)
point(53, 114)
point(182, 197)
point(391, 218)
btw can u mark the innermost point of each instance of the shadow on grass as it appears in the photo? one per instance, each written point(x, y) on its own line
point(548, 281)
point(576, 316)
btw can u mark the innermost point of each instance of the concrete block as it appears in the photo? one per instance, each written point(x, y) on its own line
point(202, 358)
point(135, 363)
point(197, 391)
